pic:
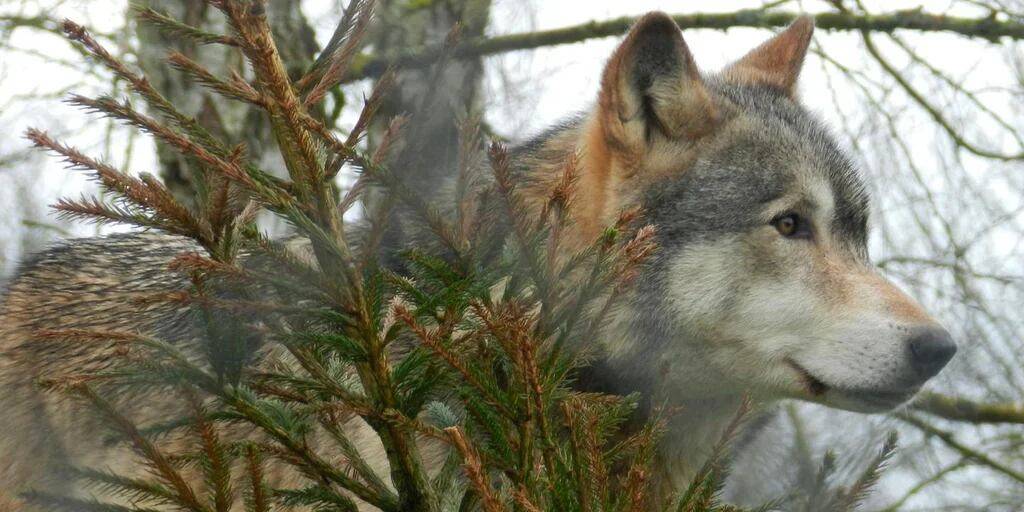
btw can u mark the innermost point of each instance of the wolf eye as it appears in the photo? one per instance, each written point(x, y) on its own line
point(792, 225)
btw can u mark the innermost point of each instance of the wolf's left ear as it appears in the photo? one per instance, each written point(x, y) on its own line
point(777, 62)
point(652, 83)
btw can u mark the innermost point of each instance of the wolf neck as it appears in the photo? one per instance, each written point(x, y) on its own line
point(692, 435)
point(676, 384)
point(655, 360)
point(696, 420)
point(598, 196)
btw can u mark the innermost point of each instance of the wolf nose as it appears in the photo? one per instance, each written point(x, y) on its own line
point(930, 350)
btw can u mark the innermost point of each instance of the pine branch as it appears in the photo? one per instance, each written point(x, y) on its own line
point(144, 193)
point(236, 88)
point(173, 27)
point(341, 34)
point(360, 15)
point(318, 498)
point(91, 209)
point(257, 494)
point(141, 85)
point(474, 470)
point(304, 458)
point(360, 466)
point(161, 352)
point(283, 104)
point(155, 458)
point(705, 486)
point(138, 490)
point(215, 460)
point(125, 112)
point(859, 491)
point(56, 503)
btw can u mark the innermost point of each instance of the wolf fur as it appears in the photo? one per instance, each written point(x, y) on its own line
point(761, 286)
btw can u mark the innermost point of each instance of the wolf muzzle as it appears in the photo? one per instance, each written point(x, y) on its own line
point(930, 349)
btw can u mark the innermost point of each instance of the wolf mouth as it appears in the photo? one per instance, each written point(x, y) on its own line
point(813, 385)
point(874, 399)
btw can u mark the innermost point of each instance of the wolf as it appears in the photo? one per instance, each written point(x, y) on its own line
point(761, 287)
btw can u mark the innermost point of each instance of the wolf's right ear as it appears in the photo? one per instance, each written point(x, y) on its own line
point(777, 62)
point(650, 83)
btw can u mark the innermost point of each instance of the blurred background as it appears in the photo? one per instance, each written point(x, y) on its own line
point(932, 111)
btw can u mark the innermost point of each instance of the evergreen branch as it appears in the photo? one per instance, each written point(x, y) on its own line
point(56, 503)
point(429, 339)
point(305, 358)
point(474, 470)
point(962, 409)
point(146, 193)
point(984, 28)
point(189, 371)
point(706, 485)
point(638, 481)
point(257, 495)
point(141, 85)
point(308, 461)
point(283, 104)
point(318, 497)
point(171, 26)
point(237, 88)
point(334, 428)
point(91, 209)
point(583, 448)
point(859, 491)
point(280, 257)
point(383, 86)
point(298, 145)
point(524, 233)
point(359, 15)
point(136, 489)
point(161, 465)
point(347, 151)
point(523, 501)
point(215, 460)
point(124, 111)
point(341, 31)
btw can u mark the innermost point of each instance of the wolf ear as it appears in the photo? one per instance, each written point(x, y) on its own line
point(652, 83)
point(777, 62)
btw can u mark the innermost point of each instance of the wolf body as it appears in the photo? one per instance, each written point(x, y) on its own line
point(761, 286)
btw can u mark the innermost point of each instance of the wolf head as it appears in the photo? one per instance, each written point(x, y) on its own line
point(762, 283)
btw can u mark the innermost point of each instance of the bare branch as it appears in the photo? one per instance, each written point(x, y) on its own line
point(962, 409)
point(915, 20)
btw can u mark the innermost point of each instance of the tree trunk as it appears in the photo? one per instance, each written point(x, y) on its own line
point(235, 121)
point(435, 102)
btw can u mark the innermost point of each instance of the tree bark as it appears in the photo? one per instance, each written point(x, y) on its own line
point(435, 101)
